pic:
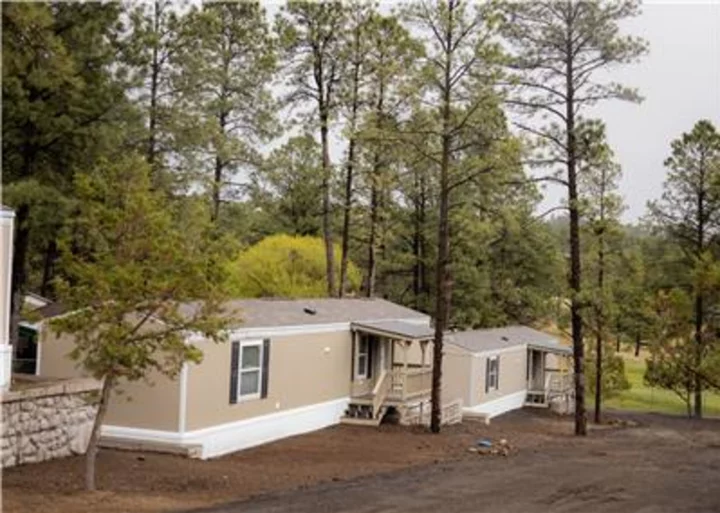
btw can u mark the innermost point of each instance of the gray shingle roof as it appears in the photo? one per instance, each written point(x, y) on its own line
point(261, 313)
point(499, 338)
point(399, 329)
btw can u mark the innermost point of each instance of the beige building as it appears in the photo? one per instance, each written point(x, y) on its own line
point(502, 369)
point(290, 366)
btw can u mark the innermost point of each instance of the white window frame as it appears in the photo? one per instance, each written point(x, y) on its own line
point(365, 354)
point(496, 361)
point(259, 369)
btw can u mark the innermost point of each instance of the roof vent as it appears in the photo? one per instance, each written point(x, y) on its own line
point(504, 338)
point(309, 311)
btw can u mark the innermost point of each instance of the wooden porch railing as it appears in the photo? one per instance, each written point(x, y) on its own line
point(380, 392)
point(559, 382)
point(410, 383)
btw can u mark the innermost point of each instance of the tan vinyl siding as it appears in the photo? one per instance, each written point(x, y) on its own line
point(304, 370)
point(151, 404)
point(457, 370)
point(512, 378)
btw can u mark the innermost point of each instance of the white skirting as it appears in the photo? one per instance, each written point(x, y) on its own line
point(234, 436)
point(499, 406)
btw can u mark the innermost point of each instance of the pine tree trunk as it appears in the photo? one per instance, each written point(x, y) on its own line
point(219, 168)
point(444, 291)
point(374, 196)
point(600, 332)
point(350, 167)
point(346, 218)
point(92, 449)
point(51, 255)
point(575, 263)
point(326, 221)
point(698, 408)
point(372, 236)
point(699, 300)
point(417, 245)
point(443, 285)
point(154, 76)
point(638, 342)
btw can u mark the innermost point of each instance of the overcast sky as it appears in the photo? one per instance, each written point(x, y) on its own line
point(680, 81)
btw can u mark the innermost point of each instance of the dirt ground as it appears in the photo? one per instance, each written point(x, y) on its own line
point(664, 464)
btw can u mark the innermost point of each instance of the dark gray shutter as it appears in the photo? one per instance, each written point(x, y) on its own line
point(265, 368)
point(234, 364)
point(372, 341)
point(497, 373)
point(487, 375)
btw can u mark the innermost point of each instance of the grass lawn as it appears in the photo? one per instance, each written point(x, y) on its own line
point(641, 397)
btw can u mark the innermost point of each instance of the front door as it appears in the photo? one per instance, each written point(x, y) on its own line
point(537, 370)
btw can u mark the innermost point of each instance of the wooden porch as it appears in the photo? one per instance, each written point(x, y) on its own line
point(397, 375)
point(548, 377)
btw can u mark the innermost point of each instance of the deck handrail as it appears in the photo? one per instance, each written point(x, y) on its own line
point(380, 392)
point(410, 383)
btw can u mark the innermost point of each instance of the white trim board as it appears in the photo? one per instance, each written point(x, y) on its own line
point(306, 329)
point(500, 405)
point(182, 403)
point(234, 436)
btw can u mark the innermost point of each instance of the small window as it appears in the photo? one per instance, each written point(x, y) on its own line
point(250, 371)
point(363, 353)
point(493, 373)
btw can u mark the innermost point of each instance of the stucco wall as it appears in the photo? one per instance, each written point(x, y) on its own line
point(151, 404)
point(304, 370)
point(47, 421)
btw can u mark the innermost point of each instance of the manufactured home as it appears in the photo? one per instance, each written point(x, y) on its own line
point(290, 366)
point(502, 369)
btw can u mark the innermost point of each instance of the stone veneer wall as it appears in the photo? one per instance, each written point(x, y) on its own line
point(47, 421)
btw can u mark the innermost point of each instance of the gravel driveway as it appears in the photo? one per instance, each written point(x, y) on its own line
point(664, 465)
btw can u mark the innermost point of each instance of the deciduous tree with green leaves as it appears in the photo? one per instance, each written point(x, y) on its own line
point(141, 275)
point(284, 266)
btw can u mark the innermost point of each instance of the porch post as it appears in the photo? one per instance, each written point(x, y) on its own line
point(405, 346)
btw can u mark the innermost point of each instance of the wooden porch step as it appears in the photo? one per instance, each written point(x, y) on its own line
point(353, 421)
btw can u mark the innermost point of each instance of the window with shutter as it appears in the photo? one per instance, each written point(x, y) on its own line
point(362, 360)
point(248, 374)
point(492, 373)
